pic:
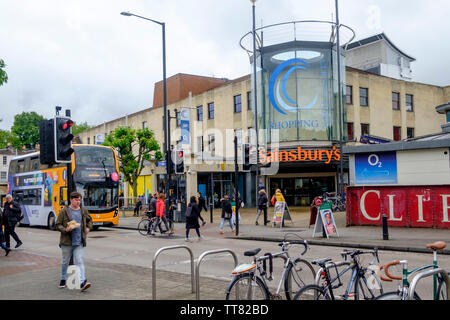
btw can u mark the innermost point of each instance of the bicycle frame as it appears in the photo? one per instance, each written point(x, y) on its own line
point(285, 256)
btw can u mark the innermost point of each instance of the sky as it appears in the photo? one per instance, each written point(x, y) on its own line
point(84, 56)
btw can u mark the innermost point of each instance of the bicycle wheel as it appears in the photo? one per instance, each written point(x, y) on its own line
point(143, 227)
point(243, 287)
point(368, 286)
point(298, 274)
point(312, 292)
point(442, 293)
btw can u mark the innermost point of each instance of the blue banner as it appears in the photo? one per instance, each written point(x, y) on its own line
point(376, 168)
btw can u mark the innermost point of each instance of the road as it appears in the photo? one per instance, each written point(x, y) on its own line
point(126, 247)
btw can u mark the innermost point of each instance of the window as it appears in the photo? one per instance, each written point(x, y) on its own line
point(34, 164)
point(211, 110)
point(365, 129)
point(409, 103)
point(397, 133)
point(212, 139)
point(249, 100)
point(237, 103)
point(200, 113)
point(144, 124)
point(349, 95)
point(395, 101)
point(200, 144)
point(364, 97)
point(94, 139)
point(88, 140)
point(409, 133)
point(5, 160)
point(350, 131)
point(3, 176)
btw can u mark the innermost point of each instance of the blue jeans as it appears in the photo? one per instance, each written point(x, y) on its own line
point(78, 257)
point(223, 222)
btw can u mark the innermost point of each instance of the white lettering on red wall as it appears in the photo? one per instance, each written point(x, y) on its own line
point(404, 206)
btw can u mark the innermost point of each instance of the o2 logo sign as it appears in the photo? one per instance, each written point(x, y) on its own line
point(376, 168)
point(374, 161)
point(277, 87)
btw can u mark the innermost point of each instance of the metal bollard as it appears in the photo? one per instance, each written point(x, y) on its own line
point(385, 228)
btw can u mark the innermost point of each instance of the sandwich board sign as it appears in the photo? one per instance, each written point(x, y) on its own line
point(281, 213)
point(325, 223)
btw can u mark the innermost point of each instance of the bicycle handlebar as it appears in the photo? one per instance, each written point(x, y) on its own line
point(357, 252)
point(380, 275)
point(386, 270)
point(302, 242)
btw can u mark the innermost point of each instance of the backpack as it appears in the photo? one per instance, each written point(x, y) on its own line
point(189, 211)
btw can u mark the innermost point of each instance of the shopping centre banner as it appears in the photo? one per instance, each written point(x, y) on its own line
point(404, 206)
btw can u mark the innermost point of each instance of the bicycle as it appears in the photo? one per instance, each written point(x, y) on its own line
point(358, 281)
point(439, 285)
point(250, 280)
point(145, 226)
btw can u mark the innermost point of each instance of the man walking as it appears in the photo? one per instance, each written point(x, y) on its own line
point(2, 238)
point(74, 223)
point(11, 215)
point(201, 206)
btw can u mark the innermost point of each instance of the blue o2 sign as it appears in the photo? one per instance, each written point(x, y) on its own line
point(376, 168)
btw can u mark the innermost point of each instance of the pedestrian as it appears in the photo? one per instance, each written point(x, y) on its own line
point(192, 216)
point(2, 236)
point(201, 205)
point(11, 215)
point(160, 214)
point(262, 206)
point(137, 208)
point(152, 205)
point(74, 223)
point(227, 212)
point(278, 196)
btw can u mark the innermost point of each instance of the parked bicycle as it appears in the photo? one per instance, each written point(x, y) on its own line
point(363, 284)
point(250, 280)
point(439, 285)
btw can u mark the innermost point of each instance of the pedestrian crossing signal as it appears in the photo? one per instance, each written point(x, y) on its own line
point(179, 162)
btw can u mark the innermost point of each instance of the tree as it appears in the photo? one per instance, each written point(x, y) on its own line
point(79, 128)
point(134, 147)
point(3, 74)
point(5, 138)
point(26, 129)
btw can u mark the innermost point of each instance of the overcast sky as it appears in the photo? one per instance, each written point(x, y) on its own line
point(83, 55)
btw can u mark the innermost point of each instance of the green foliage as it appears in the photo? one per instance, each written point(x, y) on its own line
point(5, 138)
point(26, 129)
point(79, 128)
point(3, 74)
point(134, 147)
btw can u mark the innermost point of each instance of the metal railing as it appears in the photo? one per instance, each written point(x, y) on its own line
point(417, 278)
point(154, 266)
point(199, 261)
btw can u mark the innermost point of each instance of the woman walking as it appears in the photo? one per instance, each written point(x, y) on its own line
point(160, 209)
point(192, 214)
point(227, 212)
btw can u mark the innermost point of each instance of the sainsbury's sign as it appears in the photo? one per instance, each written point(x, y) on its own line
point(299, 155)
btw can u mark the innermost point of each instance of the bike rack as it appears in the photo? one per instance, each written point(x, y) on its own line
point(154, 266)
point(425, 274)
point(200, 259)
point(329, 265)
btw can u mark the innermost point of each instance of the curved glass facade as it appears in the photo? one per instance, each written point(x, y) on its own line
point(297, 86)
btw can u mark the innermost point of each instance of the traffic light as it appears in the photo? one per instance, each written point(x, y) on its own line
point(47, 141)
point(246, 157)
point(179, 162)
point(63, 140)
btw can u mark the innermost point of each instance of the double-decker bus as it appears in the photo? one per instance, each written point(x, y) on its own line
point(41, 190)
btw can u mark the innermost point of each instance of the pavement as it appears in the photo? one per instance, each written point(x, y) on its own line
point(30, 275)
point(365, 237)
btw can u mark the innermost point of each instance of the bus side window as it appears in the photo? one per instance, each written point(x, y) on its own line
point(63, 197)
point(12, 166)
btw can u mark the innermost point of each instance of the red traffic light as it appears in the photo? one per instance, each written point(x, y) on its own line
point(66, 125)
point(180, 154)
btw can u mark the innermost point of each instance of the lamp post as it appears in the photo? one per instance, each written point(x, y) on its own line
point(255, 99)
point(166, 142)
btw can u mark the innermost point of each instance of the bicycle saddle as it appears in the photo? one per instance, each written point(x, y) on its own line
point(252, 253)
point(321, 262)
point(438, 245)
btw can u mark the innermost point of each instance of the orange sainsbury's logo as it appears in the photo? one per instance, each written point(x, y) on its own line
point(299, 154)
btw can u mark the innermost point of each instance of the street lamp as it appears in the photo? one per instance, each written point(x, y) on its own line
point(166, 142)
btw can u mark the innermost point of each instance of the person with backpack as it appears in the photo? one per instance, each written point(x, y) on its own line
point(227, 213)
point(11, 215)
point(192, 214)
point(262, 206)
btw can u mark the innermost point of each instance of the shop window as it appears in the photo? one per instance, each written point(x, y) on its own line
point(397, 133)
point(395, 101)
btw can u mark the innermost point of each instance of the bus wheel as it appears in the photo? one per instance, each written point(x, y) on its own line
point(51, 221)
